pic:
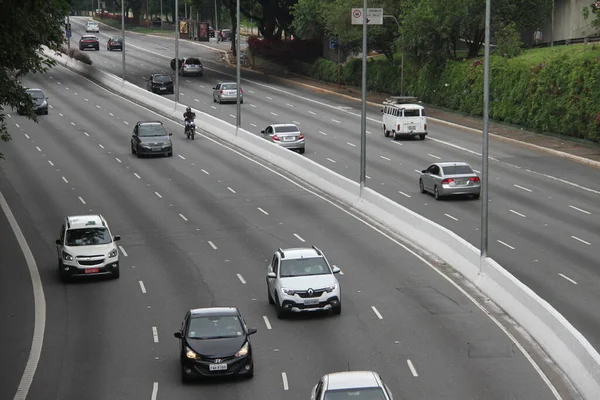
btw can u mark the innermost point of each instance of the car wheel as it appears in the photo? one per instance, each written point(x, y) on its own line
point(46, 112)
point(271, 301)
point(421, 186)
point(132, 150)
point(170, 154)
point(302, 150)
point(184, 377)
point(436, 193)
point(116, 273)
point(214, 99)
point(98, 48)
point(385, 132)
point(280, 311)
point(250, 374)
point(241, 101)
point(137, 153)
point(476, 196)
point(337, 310)
point(219, 100)
point(422, 137)
point(63, 275)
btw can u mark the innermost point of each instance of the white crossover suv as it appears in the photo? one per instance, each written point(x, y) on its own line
point(301, 279)
point(86, 247)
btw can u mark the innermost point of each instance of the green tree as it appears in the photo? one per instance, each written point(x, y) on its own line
point(308, 20)
point(594, 8)
point(26, 26)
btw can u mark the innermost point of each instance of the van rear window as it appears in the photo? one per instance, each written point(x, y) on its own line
point(412, 113)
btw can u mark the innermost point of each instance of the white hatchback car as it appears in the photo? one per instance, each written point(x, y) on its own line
point(92, 26)
point(86, 247)
point(301, 279)
point(351, 385)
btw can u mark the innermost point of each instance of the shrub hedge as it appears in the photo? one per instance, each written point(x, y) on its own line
point(76, 54)
point(550, 89)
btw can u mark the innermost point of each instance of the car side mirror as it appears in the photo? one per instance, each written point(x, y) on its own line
point(252, 331)
point(58, 241)
point(178, 335)
point(214, 88)
point(382, 111)
point(133, 135)
point(424, 171)
point(271, 275)
point(336, 270)
point(263, 132)
point(170, 134)
point(116, 238)
point(47, 98)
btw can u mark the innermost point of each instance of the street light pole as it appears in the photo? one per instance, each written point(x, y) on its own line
point(123, 44)
point(161, 15)
point(552, 28)
point(363, 118)
point(485, 144)
point(176, 51)
point(238, 70)
point(216, 20)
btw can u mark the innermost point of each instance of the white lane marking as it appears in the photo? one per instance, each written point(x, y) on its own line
point(26, 135)
point(126, 123)
point(417, 171)
point(232, 116)
point(143, 287)
point(97, 106)
point(76, 94)
point(368, 177)
point(231, 190)
point(86, 99)
point(581, 240)
point(123, 251)
point(272, 113)
point(368, 132)
point(212, 245)
point(66, 88)
point(335, 120)
point(323, 133)
point(580, 210)
point(451, 217)
point(51, 163)
point(180, 156)
point(517, 213)
point(155, 334)
point(376, 312)
point(434, 156)
point(587, 189)
point(111, 114)
point(241, 278)
point(296, 122)
point(412, 368)
point(116, 158)
point(158, 195)
point(270, 98)
point(263, 211)
point(183, 217)
point(567, 278)
point(86, 134)
point(39, 302)
point(59, 83)
point(100, 145)
point(523, 188)
point(205, 171)
point(350, 144)
point(154, 391)
point(299, 238)
point(289, 105)
point(213, 107)
point(505, 244)
point(197, 100)
point(285, 381)
point(329, 159)
point(397, 143)
point(188, 81)
point(38, 149)
point(385, 158)
point(313, 113)
point(82, 200)
point(137, 176)
point(65, 179)
point(267, 323)
point(252, 105)
point(72, 123)
point(404, 194)
point(254, 125)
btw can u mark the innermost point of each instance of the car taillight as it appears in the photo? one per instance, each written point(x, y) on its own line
point(475, 179)
point(275, 137)
point(425, 127)
point(447, 181)
point(241, 91)
point(221, 92)
point(301, 136)
point(398, 128)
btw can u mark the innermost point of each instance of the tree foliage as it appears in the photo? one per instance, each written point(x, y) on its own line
point(26, 26)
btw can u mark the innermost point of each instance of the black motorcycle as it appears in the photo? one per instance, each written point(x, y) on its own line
point(190, 128)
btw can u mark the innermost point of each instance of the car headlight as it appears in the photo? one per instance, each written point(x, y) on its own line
point(67, 256)
point(243, 351)
point(113, 253)
point(44, 104)
point(289, 292)
point(189, 353)
point(331, 288)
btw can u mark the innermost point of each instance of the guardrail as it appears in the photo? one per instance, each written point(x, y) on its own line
point(559, 339)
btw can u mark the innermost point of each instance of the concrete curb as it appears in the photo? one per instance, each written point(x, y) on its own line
point(559, 339)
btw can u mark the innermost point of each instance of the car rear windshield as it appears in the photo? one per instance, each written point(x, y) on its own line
point(193, 61)
point(146, 130)
point(230, 86)
point(374, 393)
point(162, 78)
point(286, 129)
point(87, 236)
point(457, 170)
point(118, 40)
point(303, 267)
point(412, 113)
point(212, 327)
point(36, 94)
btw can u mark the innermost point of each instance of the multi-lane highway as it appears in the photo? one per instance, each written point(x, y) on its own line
point(544, 210)
point(197, 230)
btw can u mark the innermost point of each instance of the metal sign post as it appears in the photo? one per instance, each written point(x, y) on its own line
point(485, 144)
point(123, 44)
point(176, 51)
point(238, 124)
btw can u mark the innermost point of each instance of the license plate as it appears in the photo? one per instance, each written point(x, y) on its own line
point(288, 138)
point(91, 271)
point(462, 183)
point(217, 367)
point(311, 302)
point(411, 128)
point(163, 88)
point(156, 149)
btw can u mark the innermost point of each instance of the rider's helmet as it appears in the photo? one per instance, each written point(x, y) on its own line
point(189, 109)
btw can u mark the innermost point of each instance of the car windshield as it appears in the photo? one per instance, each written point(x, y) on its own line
point(286, 129)
point(36, 94)
point(411, 113)
point(215, 327)
point(87, 236)
point(303, 267)
point(193, 61)
point(162, 78)
point(89, 38)
point(373, 393)
point(146, 130)
point(457, 170)
point(229, 86)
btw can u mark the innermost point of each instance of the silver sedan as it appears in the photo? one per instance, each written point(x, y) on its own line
point(450, 178)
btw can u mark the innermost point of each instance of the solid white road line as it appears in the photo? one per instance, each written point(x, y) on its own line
point(299, 238)
point(137, 176)
point(412, 368)
point(404, 194)
point(51, 163)
point(322, 133)
point(241, 278)
point(183, 217)
point(100, 145)
point(82, 200)
point(65, 179)
point(155, 334)
point(385, 158)
point(38, 149)
point(434, 156)
point(123, 251)
point(39, 301)
point(581, 240)
point(505, 244)
point(180, 156)
point(517, 213)
point(285, 381)
point(263, 211)
point(267, 323)
point(212, 245)
point(579, 209)
point(154, 391)
point(350, 144)
point(231, 190)
point(567, 278)
point(118, 160)
point(158, 195)
point(451, 217)
point(142, 287)
point(523, 188)
point(376, 312)
point(329, 159)
point(205, 171)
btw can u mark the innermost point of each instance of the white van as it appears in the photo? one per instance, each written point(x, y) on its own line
point(402, 117)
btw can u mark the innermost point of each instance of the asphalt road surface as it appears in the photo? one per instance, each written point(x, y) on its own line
point(198, 230)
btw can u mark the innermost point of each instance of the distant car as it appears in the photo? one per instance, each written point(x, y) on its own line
point(92, 26)
point(285, 135)
point(87, 247)
point(215, 342)
point(226, 92)
point(191, 66)
point(449, 179)
point(156, 22)
point(89, 42)
point(224, 35)
point(351, 385)
point(151, 138)
point(160, 82)
point(40, 102)
point(114, 43)
point(301, 279)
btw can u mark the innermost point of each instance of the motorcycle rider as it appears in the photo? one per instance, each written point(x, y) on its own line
point(188, 116)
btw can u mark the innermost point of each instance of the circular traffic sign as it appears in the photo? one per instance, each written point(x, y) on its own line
point(356, 13)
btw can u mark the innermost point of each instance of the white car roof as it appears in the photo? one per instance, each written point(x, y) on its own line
point(82, 221)
point(452, 163)
point(406, 106)
point(300, 252)
point(352, 379)
point(282, 125)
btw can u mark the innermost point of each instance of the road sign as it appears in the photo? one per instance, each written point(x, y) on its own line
point(374, 16)
point(333, 43)
point(68, 32)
